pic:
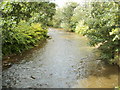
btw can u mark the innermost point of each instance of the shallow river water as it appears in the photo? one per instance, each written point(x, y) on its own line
point(64, 61)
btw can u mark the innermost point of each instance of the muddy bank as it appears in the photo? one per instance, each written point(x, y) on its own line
point(105, 76)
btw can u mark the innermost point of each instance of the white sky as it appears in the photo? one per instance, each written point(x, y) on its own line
point(61, 3)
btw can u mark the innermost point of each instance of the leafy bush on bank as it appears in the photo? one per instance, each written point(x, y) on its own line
point(22, 37)
point(103, 29)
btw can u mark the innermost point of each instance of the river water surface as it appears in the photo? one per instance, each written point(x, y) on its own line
point(64, 61)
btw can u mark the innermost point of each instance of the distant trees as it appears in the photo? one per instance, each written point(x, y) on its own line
point(57, 18)
point(64, 15)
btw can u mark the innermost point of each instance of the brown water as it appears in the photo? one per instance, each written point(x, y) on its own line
point(64, 61)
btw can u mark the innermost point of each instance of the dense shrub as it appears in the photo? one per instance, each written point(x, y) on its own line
point(103, 28)
point(22, 37)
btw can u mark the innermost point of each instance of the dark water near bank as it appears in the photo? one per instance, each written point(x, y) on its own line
point(64, 61)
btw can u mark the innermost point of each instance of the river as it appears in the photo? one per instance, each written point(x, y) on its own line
point(64, 61)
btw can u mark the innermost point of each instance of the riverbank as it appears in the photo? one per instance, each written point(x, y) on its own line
point(9, 60)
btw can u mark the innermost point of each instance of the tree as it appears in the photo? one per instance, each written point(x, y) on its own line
point(103, 28)
point(57, 18)
point(67, 15)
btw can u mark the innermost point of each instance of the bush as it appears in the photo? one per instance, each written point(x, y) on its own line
point(22, 37)
point(81, 28)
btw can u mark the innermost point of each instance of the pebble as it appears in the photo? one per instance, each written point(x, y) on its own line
point(32, 77)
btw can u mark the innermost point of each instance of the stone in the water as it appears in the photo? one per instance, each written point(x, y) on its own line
point(32, 77)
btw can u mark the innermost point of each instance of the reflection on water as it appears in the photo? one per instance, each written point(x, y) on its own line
point(64, 61)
